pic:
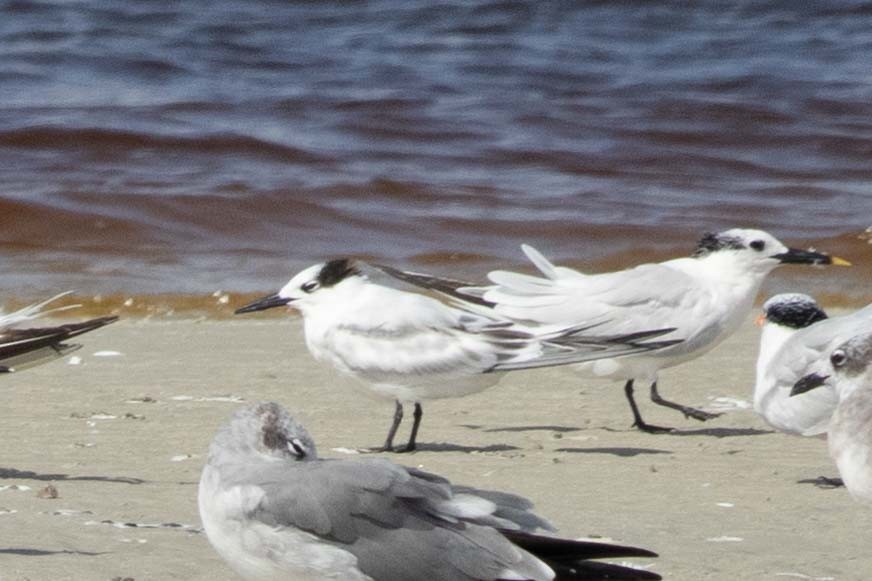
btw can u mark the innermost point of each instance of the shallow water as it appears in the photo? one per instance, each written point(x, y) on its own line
point(156, 148)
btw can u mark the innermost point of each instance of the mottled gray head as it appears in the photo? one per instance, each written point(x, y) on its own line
point(853, 357)
point(267, 430)
point(794, 310)
point(850, 363)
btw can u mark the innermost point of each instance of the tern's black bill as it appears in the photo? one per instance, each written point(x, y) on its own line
point(796, 256)
point(808, 383)
point(263, 304)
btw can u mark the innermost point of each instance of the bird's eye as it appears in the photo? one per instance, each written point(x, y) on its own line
point(758, 245)
point(310, 286)
point(297, 449)
point(838, 358)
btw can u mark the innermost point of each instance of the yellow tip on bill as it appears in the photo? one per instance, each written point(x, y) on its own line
point(836, 261)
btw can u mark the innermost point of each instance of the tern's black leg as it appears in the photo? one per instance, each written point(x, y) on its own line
point(638, 422)
point(398, 417)
point(688, 412)
point(419, 413)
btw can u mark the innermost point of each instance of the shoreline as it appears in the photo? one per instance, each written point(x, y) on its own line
point(123, 437)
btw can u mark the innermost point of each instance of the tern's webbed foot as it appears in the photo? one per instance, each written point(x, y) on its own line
point(698, 414)
point(828, 483)
point(688, 411)
point(651, 428)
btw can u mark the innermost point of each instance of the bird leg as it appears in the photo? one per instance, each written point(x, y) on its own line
point(638, 422)
point(419, 413)
point(398, 417)
point(688, 412)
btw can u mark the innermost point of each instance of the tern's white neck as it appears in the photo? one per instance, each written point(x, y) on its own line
point(772, 338)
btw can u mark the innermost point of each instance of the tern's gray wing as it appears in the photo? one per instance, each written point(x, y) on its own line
point(405, 525)
point(650, 296)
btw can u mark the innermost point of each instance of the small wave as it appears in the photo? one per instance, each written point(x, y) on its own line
point(114, 143)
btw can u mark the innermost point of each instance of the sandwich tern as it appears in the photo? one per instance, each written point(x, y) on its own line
point(409, 347)
point(273, 510)
point(704, 297)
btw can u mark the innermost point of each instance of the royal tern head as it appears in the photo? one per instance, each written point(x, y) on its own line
point(760, 250)
point(792, 310)
point(308, 287)
point(268, 431)
point(850, 365)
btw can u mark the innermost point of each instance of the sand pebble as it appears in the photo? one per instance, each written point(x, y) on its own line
point(730, 403)
point(14, 487)
point(725, 539)
point(345, 450)
point(221, 398)
point(181, 458)
point(74, 360)
point(726, 504)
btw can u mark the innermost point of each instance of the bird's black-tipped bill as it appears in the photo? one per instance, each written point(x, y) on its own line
point(808, 383)
point(262, 304)
point(796, 256)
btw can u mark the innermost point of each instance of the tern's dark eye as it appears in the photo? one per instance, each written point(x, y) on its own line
point(838, 358)
point(758, 245)
point(310, 286)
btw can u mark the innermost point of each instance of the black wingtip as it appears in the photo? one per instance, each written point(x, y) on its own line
point(571, 560)
point(75, 329)
point(447, 286)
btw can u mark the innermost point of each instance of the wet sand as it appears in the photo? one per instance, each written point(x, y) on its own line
point(122, 438)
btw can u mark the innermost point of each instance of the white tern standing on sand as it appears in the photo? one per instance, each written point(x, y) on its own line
point(274, 510)
point(796, 340)
point(409, 347)
point(850, 430)
point(26, 347)
point(704, 297)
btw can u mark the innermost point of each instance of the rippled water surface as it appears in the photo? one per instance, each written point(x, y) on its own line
point(154, 147)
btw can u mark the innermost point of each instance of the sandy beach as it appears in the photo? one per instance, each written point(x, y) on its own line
point(122, 437)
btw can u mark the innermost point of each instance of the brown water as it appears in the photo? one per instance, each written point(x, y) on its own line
point(162, 152)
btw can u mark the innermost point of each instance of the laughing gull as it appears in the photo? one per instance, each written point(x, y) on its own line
point(409, 347)
point(23, 347)
point(274, 510)
point(849, 433)
point(704, 297)
point(796, 339)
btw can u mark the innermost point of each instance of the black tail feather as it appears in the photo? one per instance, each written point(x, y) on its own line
point(571, 559)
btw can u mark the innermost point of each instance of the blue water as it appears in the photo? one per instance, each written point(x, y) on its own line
point(188, 146)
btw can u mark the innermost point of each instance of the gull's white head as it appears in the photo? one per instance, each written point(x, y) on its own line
point(264, 430)
point(311, 286)
point(757, 250)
